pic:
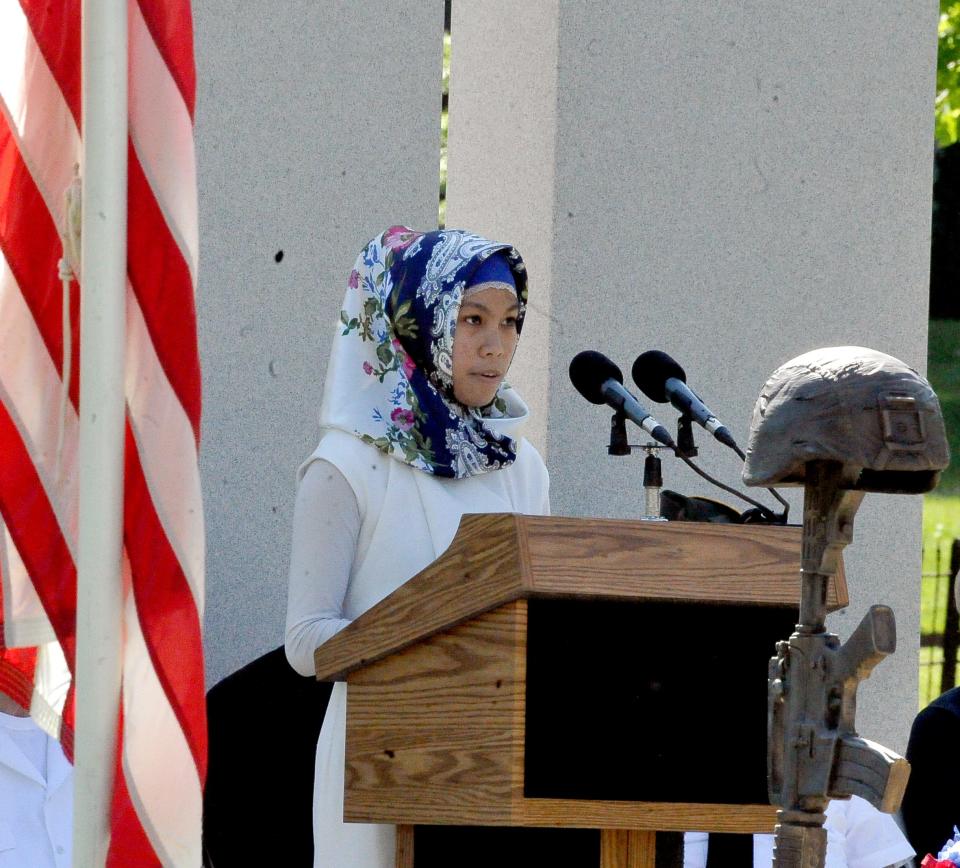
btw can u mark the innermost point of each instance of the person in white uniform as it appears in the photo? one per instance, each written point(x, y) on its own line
point(36, 793)
point(418, 427)
point(858, 836)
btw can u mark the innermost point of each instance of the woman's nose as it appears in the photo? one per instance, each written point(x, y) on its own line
point(492, 344)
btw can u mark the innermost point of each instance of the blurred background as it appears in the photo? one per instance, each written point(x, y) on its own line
point(940, 624)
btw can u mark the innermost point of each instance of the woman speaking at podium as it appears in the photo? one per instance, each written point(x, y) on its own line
point(418, 427)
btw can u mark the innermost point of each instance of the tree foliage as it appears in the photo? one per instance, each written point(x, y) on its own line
point(948, 73)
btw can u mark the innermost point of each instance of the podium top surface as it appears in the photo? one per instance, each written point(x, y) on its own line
point(500, 557)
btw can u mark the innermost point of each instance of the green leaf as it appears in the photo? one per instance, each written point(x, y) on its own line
point(948, 73)
point(384, 353)
point(406, 326)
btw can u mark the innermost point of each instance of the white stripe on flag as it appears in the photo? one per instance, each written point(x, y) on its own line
point(25, 623)
point(162, 134)
point(167, 451)
point(30, 387)
point(48, 137)
point(163, 784)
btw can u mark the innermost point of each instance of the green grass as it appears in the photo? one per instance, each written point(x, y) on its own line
point(943, 371)
point(941, 508)
point(941, 525)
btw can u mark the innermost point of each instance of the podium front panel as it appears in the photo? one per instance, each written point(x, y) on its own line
point(649, 702)
point(441, 734)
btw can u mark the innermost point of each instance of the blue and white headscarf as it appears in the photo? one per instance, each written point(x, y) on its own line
point(390, 377)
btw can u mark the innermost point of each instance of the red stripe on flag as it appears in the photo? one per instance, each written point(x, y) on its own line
point(165, 607)
point(56, 29)
point(17, 667)
point(162, 284)
point(170, 23)
point(36, 533)
point(31, 246)
point(129, 844)
point(69, 716)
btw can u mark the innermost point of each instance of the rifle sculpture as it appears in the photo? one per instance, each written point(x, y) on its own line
point(814, 752)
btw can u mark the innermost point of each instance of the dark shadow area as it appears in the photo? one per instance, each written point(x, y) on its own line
point(263, 722)
point(660, 702)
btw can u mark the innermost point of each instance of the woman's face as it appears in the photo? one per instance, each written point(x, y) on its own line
point(483, 344)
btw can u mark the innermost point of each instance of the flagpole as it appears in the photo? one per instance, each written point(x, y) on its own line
point(102, 337)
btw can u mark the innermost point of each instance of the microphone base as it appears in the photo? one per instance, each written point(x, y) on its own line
point(686, 448)
point(618, 435)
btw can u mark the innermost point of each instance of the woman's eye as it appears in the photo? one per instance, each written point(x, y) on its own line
point(510, 321)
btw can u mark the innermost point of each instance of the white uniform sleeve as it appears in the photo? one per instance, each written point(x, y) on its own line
point(873, 838)
point(858, 836)
point(326, 526)
point(695, 849)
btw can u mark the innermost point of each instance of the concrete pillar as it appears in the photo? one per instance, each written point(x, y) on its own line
point(318, 125)
point(732, 183)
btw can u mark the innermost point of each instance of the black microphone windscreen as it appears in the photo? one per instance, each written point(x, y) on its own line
point(651, 371)
point(589, 370)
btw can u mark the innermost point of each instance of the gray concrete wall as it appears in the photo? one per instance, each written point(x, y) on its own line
point(317, 126)
point(732, 183)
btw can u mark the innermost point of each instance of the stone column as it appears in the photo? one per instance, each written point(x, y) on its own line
point(318, 125)
point(732, 183)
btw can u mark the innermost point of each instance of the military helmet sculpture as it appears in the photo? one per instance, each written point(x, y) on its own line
point(841, 421)
point(863, 408)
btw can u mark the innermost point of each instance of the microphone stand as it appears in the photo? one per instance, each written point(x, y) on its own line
point(618, 435)
point(652, 483)
point(652, 466)
point(686, 448)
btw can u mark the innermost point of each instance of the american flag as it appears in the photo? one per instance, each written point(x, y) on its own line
point(161, 761)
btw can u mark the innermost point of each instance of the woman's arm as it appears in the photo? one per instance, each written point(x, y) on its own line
point(326, 526)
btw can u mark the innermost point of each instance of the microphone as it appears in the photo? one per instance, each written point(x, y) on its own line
point(661, 379)
point(600, 381)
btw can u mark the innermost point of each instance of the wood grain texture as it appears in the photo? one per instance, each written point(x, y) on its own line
point(404, 857)
point(435, 732)
point(651, 816)
point(480, 571)
point(627, 848)
point(435, 736)
point(589, 558)
point(665, 560)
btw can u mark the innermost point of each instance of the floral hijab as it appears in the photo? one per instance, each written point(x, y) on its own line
point(390, 378)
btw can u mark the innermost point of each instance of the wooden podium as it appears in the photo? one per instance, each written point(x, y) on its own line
point(571, 673)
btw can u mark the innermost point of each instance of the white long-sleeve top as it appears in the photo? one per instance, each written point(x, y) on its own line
point(336, 520)
point(326, 528)
point(363, 524)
